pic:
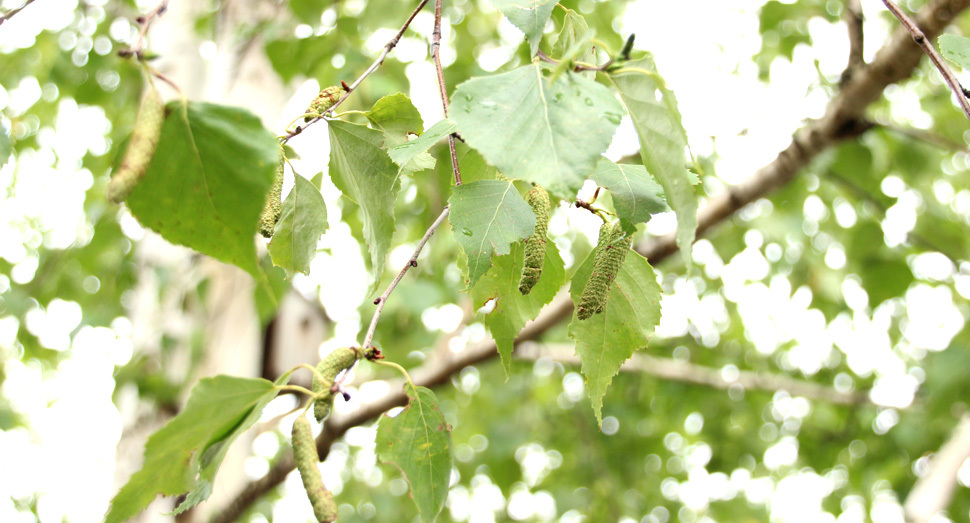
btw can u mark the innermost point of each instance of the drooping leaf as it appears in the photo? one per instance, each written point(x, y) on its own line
point(207, 183)
point(529, 16)
point(418, 442)
point(303, 221)
point(513, 309)
point(663, 142)
point(184, 455)
point(606, 340)
point(418, 148)
point(574, 29)
point(956, 49)
point(488, 216)
point(636, 195)
point(549, 134)
point(361, 169)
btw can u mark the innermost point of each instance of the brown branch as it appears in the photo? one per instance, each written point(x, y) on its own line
point(443, 91)
point(853, 22)
point(924, 42)
point(933, 491)
point(672, 370)
point(843, 119)
point(10, 14)
point(412, 262)
point(391, 44)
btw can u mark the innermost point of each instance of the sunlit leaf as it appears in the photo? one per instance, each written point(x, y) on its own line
point(418, 442)
point(207, 183)
point(606, 340)
point(361, 169)
point(488, 216)
point(529, 16)
point(549, 134)
point(512, 308)
point(636, 195)
point(663, 142)
point(303, 221)
point(184, 455)
point(956, 49)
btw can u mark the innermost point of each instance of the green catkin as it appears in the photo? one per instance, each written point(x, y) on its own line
point(141, 147)
point(324, 101)
point(535, 245)
point(306, 458)
point(274, 205)
point(611, 251)
point(338, 360)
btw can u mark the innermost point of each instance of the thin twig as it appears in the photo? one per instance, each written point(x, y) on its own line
point(391, 44)
point(922, 41)
point(435, 53)
point(144, 24)
point(9, 14)
point(412, 262)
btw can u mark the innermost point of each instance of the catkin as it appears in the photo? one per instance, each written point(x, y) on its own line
point(338, 360)
point(610, 252)
point(141, 147)
point(306, 458)
point(274, 205)
point(535, 245)
point(324, 101)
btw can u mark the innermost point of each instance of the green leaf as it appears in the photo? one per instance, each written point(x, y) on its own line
point(636, 195)
point(574, 30)
point(606, 340)
point(366, 175)
point(302, 222)
point(488, 216)
point(185, 454)
point(663, 141)
point(418, 147)
point(207, 183)
point(549, 134)
point(418, 442)
point(396, 117)
point(956, 49)
point(513, 309)
point(529, 16)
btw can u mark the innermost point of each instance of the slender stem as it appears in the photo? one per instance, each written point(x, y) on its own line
point(443, 91)
point(391, 44)
point(311, 368)
point(9, 14)
point(923, 42)
point(404, 371)
point(413, 262)
point(295, 388)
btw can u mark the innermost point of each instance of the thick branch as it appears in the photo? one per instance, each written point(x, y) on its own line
point(672, 370)
point(933, 491)
point(853, 21)
point(843, 119)
point(925, 43)
point(391, 44)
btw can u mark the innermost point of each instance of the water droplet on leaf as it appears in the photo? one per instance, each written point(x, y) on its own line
point(466, 231)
